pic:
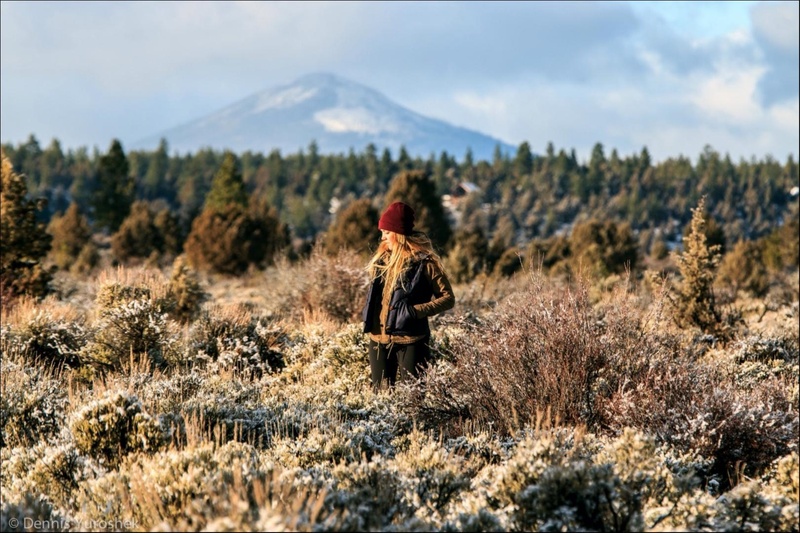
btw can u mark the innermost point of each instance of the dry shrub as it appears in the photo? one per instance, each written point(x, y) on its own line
point(185, 289)
point(132, 307)
point(206, 488)
point(50, 333)
point(695, 406)
point(483, 293)
point(609, 365)
point(544, 347)
point(323, 284)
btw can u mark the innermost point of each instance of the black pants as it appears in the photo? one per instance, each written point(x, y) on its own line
point(392, 362)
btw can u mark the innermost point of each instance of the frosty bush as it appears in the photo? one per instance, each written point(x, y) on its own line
point(746, 509)
point(696, 407)
point(205, 488)
point(169, 393)
point(564, 480)
point(782, 486)
point(132, 323)
point(347, 350)
point(366, 496)
point(109, 428)
point(231, 338)
point(185, 290)
point(53, 471)
point(34, 508)
point(32, 406)
point(760, 349)
point(433, 476)
point(227, 408)
point(48, 339)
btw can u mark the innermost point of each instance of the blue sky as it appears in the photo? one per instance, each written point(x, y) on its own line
point(672, 76)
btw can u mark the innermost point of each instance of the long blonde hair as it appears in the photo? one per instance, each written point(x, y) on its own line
point(392, 264)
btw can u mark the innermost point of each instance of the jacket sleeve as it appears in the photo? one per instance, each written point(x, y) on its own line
point(442, 299)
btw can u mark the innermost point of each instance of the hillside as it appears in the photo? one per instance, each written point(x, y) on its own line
point(337, 113)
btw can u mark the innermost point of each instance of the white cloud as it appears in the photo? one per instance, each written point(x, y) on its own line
point(777, 23)
point(728, 95)
point(668, 75)
point(787, 117)
point(776, 30)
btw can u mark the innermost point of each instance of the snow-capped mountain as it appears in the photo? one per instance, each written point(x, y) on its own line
point(336, 113)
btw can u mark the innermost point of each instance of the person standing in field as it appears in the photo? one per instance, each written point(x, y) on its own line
point(408, 285)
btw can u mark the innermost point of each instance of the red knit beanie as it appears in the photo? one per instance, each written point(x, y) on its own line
point(398, 218)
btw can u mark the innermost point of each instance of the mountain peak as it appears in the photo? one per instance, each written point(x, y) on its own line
point(337, 113)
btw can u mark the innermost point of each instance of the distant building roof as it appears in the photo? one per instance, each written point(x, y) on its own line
point(465, 187)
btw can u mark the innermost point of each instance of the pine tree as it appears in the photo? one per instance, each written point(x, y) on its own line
point(415, 188)
point(228, 241)
point(743, 268)
point(696, 304)
point(715, 235)
point(24, 242)
point(70, 232)
point(604, 247)
point(404, 160)
point(169, 227)
point(467, 257)
point(52, 165)
point(185, 289)
point(29, 163)
point(355, 227)
point(138, 236)
point(387, 166)
point(114, 189)
point(154, 183)
point(523, 162)
point(228, 236)
point(227, 186)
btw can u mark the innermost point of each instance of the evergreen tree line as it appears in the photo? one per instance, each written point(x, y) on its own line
point(604, 212)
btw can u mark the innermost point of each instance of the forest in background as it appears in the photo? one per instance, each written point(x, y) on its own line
point(524, 197)
point(611, 213)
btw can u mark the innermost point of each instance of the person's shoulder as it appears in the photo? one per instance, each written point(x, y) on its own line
point(423, 258)
point(431, 265)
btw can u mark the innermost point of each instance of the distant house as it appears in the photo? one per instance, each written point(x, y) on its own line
point(463, 189)
point(459, 192)
point(452, 201)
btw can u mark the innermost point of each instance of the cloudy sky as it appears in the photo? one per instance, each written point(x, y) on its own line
point(671, 76)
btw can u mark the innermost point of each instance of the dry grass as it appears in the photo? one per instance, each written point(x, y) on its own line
point(529, 368)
